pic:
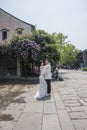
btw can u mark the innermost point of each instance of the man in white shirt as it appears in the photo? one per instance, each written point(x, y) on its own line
point(48, 76)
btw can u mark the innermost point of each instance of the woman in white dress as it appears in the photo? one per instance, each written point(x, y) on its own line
point(42, 88)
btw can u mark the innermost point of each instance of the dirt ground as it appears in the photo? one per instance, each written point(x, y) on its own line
point(9, 89)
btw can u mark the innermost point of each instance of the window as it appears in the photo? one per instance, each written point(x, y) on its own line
point(19, 30)
point(4, 35)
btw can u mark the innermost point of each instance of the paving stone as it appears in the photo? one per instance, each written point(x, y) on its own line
point(60, 105)
point(65, 110)
point(85, 112)
point(70, 101)
point(72, 104)
point(32, 98)
point(49, 108)
point(28, 89)
point(80, 124)
point(67, 91)
point(80, 108)
point(65, 121)
point(7, 125)
point(70, 98)
point(83, 95)
point(34, 107)
point(56, 96)
point(80, 129)
point(14, 114)
point(19, 100)
point(85, 99)
point(78, 115)
point(68, 109)
point(16, 107)
point(82, 102)
point(24, 95)
point(50, 122)
point(29, 121)
point(27, 99)
point(48, 99)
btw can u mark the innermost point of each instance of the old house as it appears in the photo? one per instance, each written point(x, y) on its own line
point(85, 57)
point(9, 24)
point(82, 58)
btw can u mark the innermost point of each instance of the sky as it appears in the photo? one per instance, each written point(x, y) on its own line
point(61, 16)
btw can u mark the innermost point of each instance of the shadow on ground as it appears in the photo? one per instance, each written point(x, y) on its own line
point(23, 81)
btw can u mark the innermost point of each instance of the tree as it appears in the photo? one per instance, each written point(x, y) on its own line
point(60, 39)
point(30, 48)
point(48, 46)
point(69, 54)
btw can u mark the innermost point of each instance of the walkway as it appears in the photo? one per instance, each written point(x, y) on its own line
point(66, 109)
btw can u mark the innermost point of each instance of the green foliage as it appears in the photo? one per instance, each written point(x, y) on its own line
point(4, 49)
point(19, 38)
point(68, 54)
point(48, 46)
point(41, 37)
point(60, 39)
point(54, 46)
point(84, 69)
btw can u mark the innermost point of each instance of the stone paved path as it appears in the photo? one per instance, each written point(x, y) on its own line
point(66, 109)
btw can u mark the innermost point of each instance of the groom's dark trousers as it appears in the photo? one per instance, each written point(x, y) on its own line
point(48, 81)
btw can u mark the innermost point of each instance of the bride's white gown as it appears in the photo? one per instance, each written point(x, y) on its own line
point(42, 88)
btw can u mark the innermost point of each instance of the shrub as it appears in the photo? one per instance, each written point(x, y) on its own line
point(84, 69)
point(26, 50)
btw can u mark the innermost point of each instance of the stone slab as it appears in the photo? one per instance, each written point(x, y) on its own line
point(80, 108)
point(34, 107)
point(60, 105)
point(16, 107)
point(80, 124)
point(7, 125)
point(80, 129)
point(29, 121)
point(50, 122)
point(70, 101)
point(65, 121)
point(70, 98)
point(57, 97)
point(72, 104)
point(48, 99)
point(14, 114)
point(49, 108)
point(78, 115)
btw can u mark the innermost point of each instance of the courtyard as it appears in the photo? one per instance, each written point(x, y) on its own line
point(66, 109)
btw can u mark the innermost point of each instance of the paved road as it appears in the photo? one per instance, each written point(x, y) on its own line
point(66, 109)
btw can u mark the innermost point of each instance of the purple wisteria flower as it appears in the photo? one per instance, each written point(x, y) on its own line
point(25, 50)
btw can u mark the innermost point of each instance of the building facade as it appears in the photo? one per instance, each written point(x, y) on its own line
point(82, 58)
point(85, 58)
point(9, 25)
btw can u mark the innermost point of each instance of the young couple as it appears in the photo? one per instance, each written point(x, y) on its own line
point(44, 80)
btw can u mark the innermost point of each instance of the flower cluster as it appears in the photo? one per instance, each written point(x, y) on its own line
point(39, 39)
point(24, 50)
